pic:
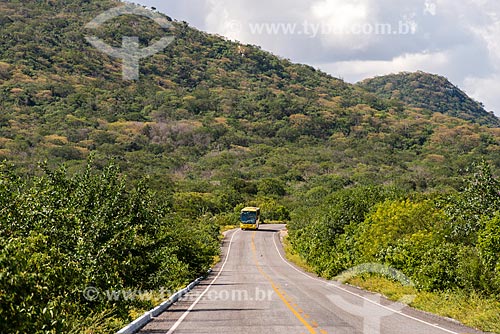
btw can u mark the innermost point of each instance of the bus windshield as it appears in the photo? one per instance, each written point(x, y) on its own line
point(248, 217)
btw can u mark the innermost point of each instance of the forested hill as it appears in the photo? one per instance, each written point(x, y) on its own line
point(431, 92)
point(212, 126)
point(208, 109)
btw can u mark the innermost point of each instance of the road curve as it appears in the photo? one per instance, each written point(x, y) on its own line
point(255, 290)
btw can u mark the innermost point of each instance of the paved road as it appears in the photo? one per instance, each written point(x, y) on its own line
point(254, 290)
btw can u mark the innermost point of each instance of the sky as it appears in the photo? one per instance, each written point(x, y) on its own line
point(358, 39)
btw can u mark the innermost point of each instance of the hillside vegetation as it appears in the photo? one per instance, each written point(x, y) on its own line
point(431, 92)
point(207, 109)
point(149, 169)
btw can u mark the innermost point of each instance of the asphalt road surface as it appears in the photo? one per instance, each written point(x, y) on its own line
point(255, 290)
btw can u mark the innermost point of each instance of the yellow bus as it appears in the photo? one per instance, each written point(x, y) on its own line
point(250, 218)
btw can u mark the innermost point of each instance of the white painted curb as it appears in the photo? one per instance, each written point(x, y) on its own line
point(140, 322)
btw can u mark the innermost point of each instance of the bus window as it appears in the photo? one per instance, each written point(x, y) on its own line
point(248, 217)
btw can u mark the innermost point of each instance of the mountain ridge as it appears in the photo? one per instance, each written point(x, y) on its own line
point(431, 92)
point(202, 103)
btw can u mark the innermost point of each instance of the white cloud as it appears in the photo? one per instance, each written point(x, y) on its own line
point(485, 90)
point(361, 69)
point(336, 21)
point(490, 35)
point(339, 13)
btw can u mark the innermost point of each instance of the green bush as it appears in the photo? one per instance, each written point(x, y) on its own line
point(271, 187)
point(35, 286)
point(271, 209)
point(391, 221)
point(437, 271)
point(323, 235)
point(61, 234)
point(470, 209)
point(489, 250)
point(407, 254)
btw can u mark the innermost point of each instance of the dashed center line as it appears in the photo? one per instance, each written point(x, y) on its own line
point(281, 295)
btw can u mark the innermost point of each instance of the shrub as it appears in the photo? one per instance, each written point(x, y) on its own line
point(489, 251)
point(61, 234)
point(392, 220)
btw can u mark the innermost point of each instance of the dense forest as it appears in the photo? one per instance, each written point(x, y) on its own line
point(99, 172)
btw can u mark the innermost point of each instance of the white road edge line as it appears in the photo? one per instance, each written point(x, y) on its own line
point(357, 295)
point(185, 314)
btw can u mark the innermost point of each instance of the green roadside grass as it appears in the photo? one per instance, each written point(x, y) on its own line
point(275, 222)
point(226, 228)
point(294, 257)
point(469, 308)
